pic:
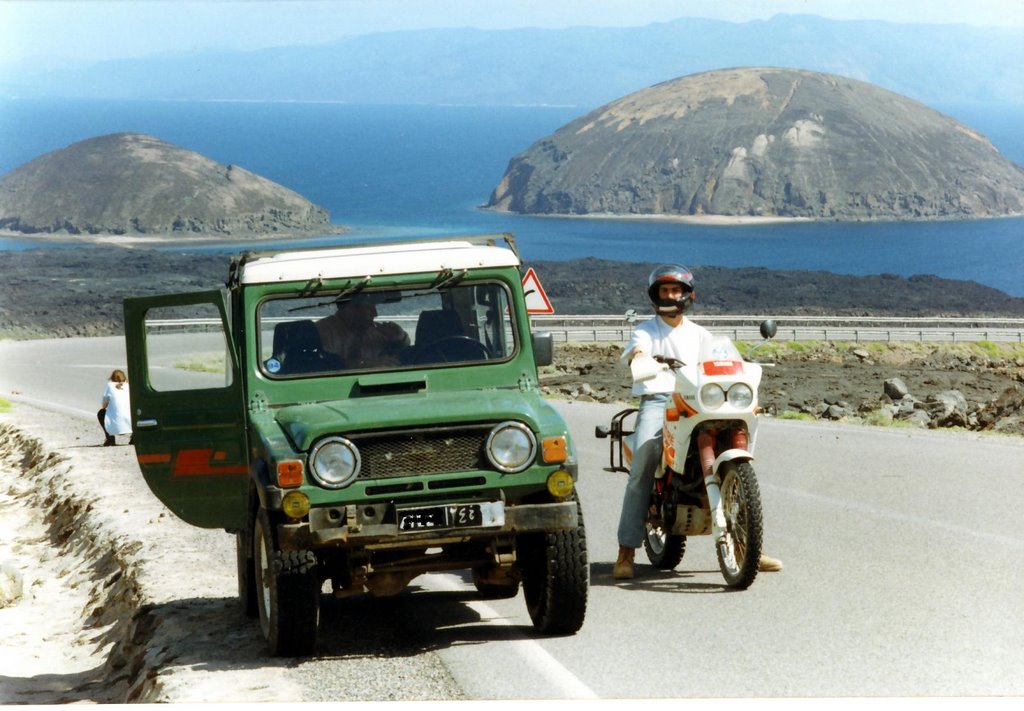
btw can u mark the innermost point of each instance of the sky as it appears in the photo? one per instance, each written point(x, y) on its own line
point(54, 33)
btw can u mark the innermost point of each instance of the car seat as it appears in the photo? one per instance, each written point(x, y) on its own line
point(297, 345)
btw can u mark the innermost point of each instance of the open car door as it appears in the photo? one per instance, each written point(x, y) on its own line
point(188, 415)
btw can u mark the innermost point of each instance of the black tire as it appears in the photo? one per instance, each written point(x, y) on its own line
point(246, 573)
point(664, 550)
point(741, 499)
point(556, 578)
point(288, 593)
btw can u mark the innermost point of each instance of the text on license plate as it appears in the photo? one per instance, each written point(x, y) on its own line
point(451, 516)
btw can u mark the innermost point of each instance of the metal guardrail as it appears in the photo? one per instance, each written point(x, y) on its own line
point(616, 329)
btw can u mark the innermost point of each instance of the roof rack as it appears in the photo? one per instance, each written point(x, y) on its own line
point(491, 240)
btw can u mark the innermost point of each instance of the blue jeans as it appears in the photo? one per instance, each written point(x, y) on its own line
point(646, 457)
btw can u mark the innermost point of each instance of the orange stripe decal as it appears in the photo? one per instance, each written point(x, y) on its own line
point(723, 367)
point(684, 408)
point(198, 462)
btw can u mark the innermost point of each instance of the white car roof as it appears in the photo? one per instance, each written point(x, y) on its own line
point(375, 260)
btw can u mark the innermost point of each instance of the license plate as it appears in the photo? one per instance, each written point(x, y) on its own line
point(426, 518)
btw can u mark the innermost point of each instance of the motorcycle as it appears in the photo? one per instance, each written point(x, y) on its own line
point(705, 483)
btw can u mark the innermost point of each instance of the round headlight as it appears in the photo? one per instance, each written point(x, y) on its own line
point(741, 396)
point(511, 447)
point(334, 462)
point(712, 396)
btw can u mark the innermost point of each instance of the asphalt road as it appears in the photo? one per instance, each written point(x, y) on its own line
point(902, 552)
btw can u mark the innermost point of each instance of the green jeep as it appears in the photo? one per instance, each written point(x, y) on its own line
point(362, 415)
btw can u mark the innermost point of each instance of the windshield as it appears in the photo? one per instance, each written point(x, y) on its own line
point(332, 332)
point(719, 348)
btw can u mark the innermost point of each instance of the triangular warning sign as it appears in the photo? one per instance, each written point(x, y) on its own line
point(536, 300)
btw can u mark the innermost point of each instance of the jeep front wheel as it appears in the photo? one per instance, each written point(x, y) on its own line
point(556, 578)
point(287, 593)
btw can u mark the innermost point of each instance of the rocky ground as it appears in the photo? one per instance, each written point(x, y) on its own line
point(926, 385)
point(78, 292)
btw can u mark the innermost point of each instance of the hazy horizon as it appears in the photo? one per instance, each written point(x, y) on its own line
point(62, 34)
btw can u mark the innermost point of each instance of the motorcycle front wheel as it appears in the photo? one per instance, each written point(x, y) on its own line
point(664, 550)
point(740, 553)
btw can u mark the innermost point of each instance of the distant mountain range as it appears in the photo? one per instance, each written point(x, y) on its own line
point(580, 66)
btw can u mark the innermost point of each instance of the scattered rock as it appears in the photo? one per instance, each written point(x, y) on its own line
point(837, 412)
point(947, 409)
point(972, 391)
point(918, 417)
point(895, 388)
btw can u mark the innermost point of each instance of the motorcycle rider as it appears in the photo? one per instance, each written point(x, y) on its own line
point(670, 334)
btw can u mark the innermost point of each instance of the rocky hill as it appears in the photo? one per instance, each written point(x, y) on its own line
point(134, 184)
point(764, 142)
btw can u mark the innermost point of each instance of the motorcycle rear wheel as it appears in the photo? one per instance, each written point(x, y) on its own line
point(664, 550)
point(740, 555)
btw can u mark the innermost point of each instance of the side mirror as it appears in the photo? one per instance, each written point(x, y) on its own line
point(768, 329)
point(543, 348)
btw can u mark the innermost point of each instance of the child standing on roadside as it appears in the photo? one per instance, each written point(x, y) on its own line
point(115, 412)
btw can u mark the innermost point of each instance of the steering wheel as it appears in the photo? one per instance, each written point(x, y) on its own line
point(456, 348)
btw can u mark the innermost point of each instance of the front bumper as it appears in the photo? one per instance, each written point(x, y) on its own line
point(363, 525)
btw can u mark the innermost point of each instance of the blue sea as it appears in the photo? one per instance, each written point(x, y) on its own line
point(418, 171)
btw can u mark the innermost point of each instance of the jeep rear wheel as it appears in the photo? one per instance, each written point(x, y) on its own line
point(287, 593)
point(246, 573)
point(556, 578)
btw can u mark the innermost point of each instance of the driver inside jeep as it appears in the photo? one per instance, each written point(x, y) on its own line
point(352, 333)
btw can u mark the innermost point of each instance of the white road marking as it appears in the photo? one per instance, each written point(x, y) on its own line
point(538, 659)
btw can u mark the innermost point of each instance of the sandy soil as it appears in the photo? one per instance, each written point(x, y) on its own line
point(111, 610)
point(95, 620)
point(120, 601)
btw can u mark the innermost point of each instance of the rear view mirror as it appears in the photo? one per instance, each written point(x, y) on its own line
point(768, 329)
point(543, 348)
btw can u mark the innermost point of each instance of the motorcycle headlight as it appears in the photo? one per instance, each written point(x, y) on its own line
point(511, 447)
point(712, 396)
point(741, 396)
point(334, 462)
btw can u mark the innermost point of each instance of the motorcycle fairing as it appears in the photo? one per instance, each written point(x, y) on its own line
point(722, 367)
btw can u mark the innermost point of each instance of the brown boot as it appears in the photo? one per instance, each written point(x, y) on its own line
point(767, 564)
point(623, 569)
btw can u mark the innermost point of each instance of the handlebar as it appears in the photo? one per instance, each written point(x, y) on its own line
point(672, 363)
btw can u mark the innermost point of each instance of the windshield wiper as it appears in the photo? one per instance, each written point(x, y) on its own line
point(345, 293)
point(447, 278)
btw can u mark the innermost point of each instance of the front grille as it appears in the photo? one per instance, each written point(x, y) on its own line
point(415, 452)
